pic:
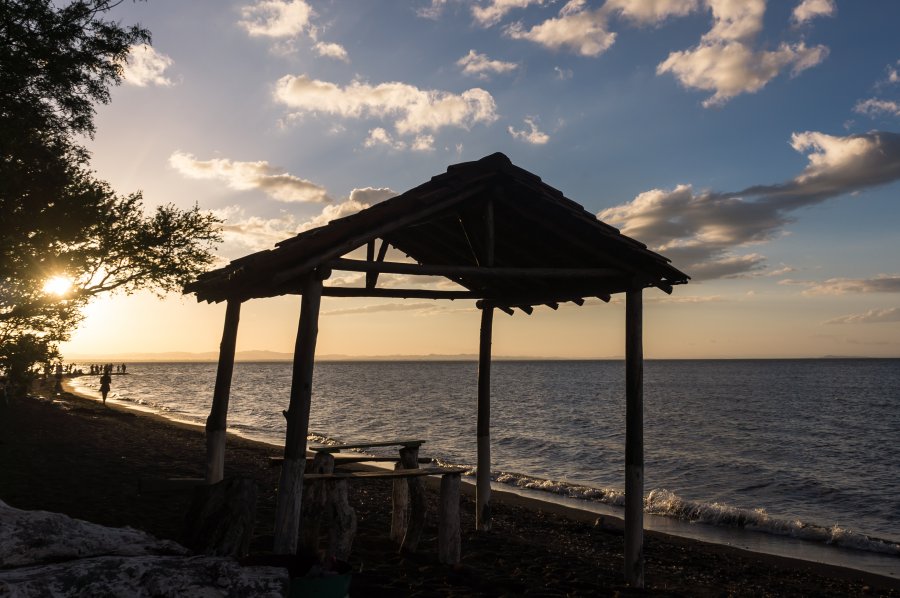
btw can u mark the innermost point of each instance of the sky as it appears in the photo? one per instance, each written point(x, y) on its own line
point(755, 144)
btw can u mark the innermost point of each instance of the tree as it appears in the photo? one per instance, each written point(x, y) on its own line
point(57, 219)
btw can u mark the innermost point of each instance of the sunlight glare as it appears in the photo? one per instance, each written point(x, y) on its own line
point(58, 285)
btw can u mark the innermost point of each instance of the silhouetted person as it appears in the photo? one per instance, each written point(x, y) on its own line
point(105, 381)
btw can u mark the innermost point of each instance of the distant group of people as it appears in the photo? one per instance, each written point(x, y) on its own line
point(107, 368)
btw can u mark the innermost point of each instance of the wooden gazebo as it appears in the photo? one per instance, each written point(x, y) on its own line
point(507, 239)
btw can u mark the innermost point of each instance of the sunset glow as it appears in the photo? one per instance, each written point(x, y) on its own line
point(58, 285)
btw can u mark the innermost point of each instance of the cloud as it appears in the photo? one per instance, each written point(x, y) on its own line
point(433, 11)
point(257, 233)
point(384, 307)
point(808, 10)
point(701, 231)
point(873, 316)
point(479, 65)
point(563, 74)
point(145, 66)
point(873, 107)
point(276, 18)
point(651, 12)
point(725, 62)
point(414, 110)
point(495, 10)
point(576, 29)
point(273, 181)
point(335, 51)
point(883, 283)
point(533, 135)
point(380, 137)
point(732, 68)
point(254, 233)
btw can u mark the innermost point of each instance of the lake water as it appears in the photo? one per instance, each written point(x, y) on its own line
point(805, 448)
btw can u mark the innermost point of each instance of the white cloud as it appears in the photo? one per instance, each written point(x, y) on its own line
point(581, 31)
point(808, 10)
point(730, 69)
point(893, 74)
point(422, 143)
point(533, 135)
point(563, 74)
point(433, 10)
point(883, 283)
point(241, 232)
point(380, 137)
point(651, 12)
point(495, 10)
point(873, 107)
point(725, 62)
point(145, 66)
point(385, 307)
point(335, 51)
point(873, 316)
point(701, 231)
point(276, 18)
point(273, 181)
point(479, 65)
point(414, 110)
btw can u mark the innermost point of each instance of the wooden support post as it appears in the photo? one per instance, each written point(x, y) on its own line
point(216, 423)
point(448, 520)
point(290, 487)
point(415, 524)
point(634, 440)
point(483, 428)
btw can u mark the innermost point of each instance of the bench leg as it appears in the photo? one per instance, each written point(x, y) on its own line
point(448, 520)
point(342, 524)
point(315, 499)
point(400, 506)
point(409, 458)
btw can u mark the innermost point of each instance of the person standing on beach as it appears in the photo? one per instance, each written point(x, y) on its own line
point(105, 381)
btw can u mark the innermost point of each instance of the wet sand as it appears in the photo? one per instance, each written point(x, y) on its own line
point(72, 455)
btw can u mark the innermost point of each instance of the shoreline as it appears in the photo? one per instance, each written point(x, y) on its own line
point(573, 539)
point(753, 542)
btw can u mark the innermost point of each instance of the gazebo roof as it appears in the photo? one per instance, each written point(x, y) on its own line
point(493, 228)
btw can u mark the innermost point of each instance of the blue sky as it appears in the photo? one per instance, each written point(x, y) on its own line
point(756, 144)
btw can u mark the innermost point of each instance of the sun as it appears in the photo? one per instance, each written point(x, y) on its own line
point(58, 285)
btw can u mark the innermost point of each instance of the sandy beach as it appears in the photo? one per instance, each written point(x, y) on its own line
point(72, 455)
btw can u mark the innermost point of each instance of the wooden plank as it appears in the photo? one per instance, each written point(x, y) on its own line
point(387, 474)
point(341, 458)
point(634, 440)
point(333, 448)
point(479, 271)
point(483, 425)
point(216, 423)
point(290, 487)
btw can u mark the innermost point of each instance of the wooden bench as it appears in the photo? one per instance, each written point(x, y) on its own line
point(334, 448)
point(334, 505)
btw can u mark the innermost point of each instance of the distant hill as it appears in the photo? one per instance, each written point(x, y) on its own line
point(278, 356)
